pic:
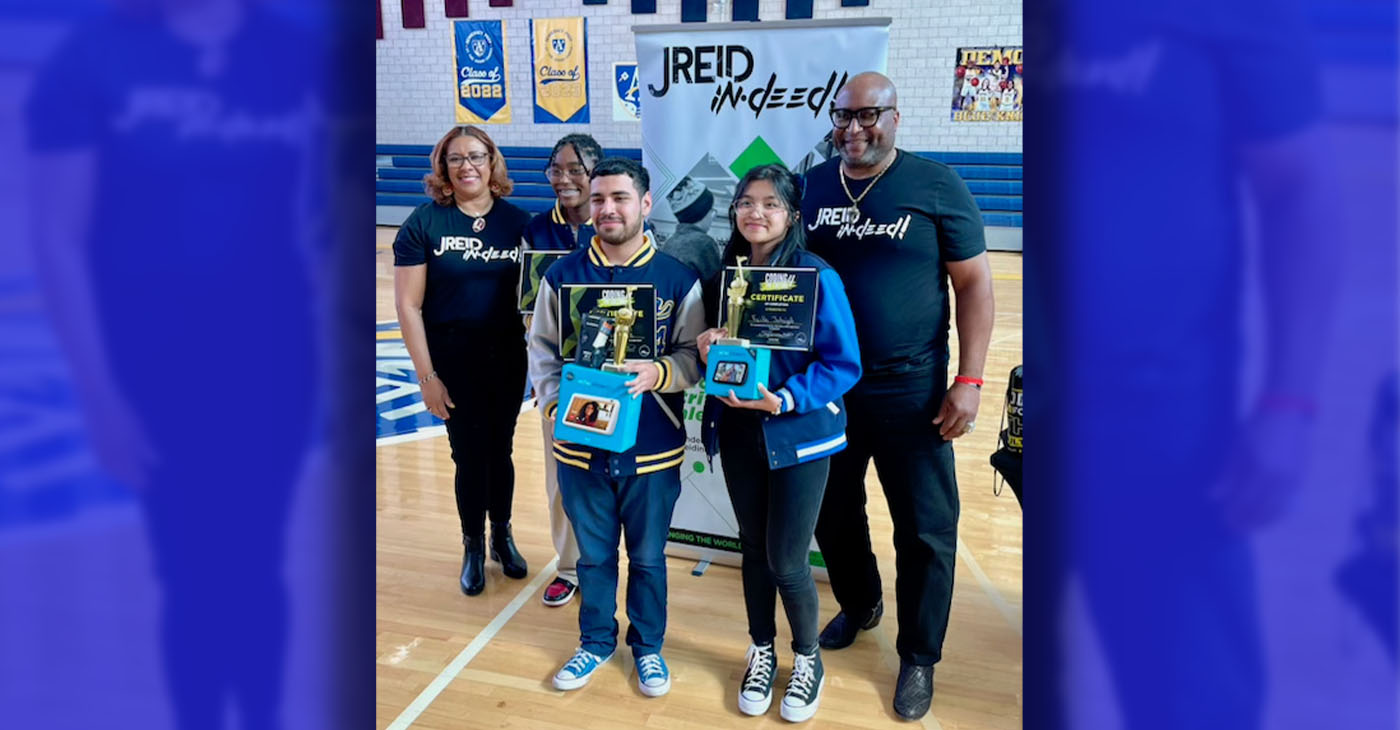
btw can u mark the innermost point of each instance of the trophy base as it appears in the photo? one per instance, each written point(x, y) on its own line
point(734, 365)
point(596, 410)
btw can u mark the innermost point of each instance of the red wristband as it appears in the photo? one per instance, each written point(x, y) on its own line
point(974, 382)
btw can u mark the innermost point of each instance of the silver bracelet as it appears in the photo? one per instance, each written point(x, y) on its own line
point(424, 380)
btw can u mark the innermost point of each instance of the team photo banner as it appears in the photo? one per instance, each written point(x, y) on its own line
point(987, 84)
point(479, 54)
point(559, 57)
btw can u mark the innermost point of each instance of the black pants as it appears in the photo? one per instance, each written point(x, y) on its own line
point(891, 422)
point(777, 513)
point(484, 374)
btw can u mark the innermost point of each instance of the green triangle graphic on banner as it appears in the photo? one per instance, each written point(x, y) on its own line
point(757, 153)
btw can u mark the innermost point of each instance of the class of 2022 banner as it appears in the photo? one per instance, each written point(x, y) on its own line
point(559, 57)
point(479, 55)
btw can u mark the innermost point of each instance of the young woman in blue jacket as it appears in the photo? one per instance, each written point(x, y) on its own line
point(775, 450)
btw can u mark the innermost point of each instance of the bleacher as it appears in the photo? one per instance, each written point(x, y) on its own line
point(993, 177)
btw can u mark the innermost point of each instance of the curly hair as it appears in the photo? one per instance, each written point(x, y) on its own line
point(438, 185)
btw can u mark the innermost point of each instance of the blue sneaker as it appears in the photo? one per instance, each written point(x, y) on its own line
point(653, 678)
point(577, 671)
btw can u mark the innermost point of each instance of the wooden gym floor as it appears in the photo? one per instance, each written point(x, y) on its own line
point(445, 660)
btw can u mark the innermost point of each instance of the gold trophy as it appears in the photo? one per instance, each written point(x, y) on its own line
point(733, 364)
point(622, 329)
point(738, 287)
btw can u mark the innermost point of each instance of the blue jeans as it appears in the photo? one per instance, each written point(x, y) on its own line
point(601, 509)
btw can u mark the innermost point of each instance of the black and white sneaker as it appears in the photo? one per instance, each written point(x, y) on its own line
point(756, 691)
point(804, 690)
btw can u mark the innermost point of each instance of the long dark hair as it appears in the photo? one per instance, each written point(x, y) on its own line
point(789, 190)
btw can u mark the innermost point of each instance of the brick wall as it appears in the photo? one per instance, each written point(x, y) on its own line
point(414, 80)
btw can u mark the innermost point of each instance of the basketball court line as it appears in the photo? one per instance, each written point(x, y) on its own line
point(450, 672)
point(891, 656)
point(992, 593)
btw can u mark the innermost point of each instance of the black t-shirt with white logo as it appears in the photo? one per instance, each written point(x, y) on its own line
point(892, 255)
point(472, 274)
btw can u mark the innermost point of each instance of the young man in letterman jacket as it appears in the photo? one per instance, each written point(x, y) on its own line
point(632, 493)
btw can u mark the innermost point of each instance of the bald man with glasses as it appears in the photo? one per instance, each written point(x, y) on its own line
point(902, 232)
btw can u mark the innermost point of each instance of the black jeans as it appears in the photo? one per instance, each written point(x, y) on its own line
point(484, 373)
point(891, 422)
point(777, 512)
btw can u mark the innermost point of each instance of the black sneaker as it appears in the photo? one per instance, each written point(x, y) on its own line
point(756, 691)
point(804, 690)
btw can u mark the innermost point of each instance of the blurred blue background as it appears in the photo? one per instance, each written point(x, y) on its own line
point(1211, 328)
point(185, 494)
point(185, 316)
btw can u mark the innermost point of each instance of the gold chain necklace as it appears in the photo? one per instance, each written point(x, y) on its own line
point(855, 201)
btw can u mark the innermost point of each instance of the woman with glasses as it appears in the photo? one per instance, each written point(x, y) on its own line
point(457, 262)
point(775, 450)
point(565, 227)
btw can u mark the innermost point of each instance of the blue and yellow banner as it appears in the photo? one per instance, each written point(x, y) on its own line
point(559, 57)
point(479, 53)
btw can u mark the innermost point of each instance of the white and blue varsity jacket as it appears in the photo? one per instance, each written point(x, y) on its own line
point(680, 318)
point(812, 423)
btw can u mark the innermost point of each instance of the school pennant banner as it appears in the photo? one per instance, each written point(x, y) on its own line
point(479, 53)
point(626, 99)
point(559, 57)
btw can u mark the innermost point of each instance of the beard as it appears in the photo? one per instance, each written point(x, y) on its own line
point(872, 155)
point(628, 232)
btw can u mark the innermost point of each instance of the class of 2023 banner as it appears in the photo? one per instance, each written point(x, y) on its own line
point(559, 57)
point(479, 55)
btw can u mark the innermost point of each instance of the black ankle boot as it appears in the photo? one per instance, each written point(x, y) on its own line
point(503, 551)
point(473, 565)
point(842, 630)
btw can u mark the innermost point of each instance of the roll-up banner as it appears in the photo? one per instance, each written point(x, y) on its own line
point(719, 99)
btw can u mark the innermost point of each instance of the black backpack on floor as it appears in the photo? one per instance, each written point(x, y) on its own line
point(1007, 458)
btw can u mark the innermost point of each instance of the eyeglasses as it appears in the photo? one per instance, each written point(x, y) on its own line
point(866, 115)
point(745, 206)
point(554, 172)
point(476, 158)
